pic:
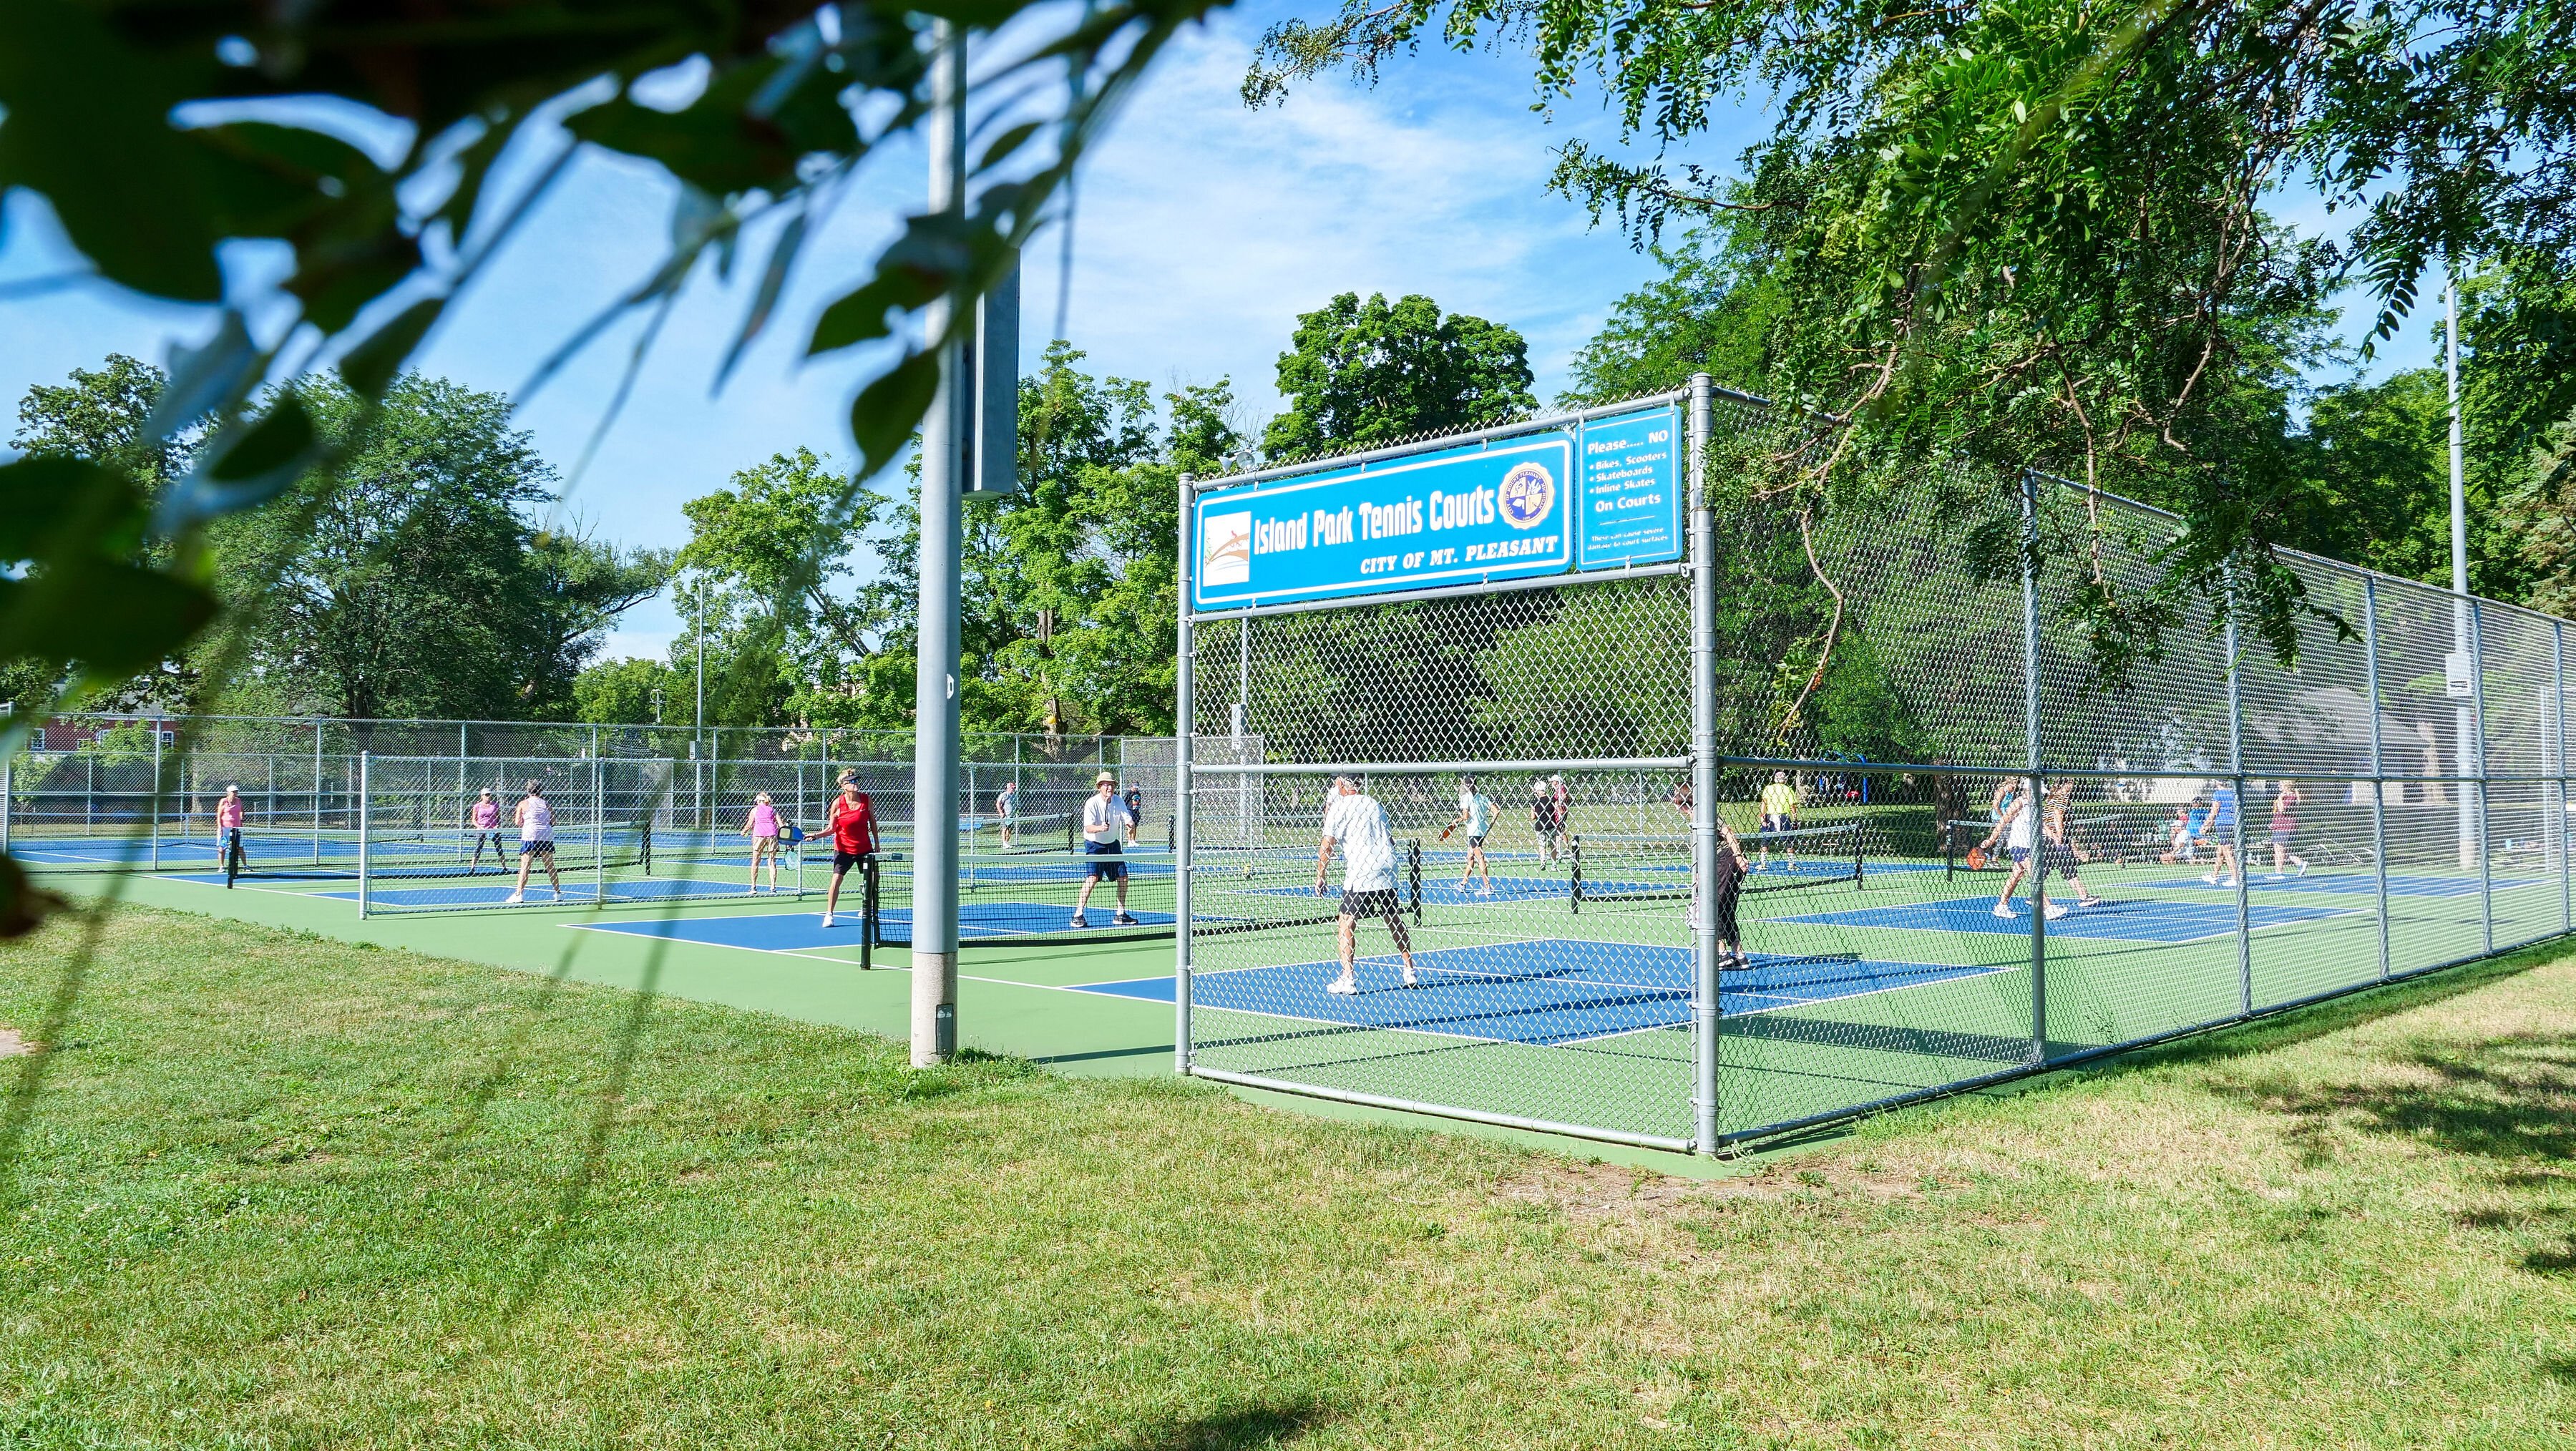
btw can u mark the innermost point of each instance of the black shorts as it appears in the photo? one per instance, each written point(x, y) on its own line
point(1475, 843)
point(842, 861)
point(1104, 871)
point(537, 848)
point(1379, 902)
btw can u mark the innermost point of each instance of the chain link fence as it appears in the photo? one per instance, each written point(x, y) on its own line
point(1965, 857)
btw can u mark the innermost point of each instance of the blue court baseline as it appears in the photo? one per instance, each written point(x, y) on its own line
point(2133, 920)
point(1547, 992)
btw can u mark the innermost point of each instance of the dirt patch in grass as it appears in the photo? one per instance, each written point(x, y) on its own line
point(13, 1043)
point(1592, 1193)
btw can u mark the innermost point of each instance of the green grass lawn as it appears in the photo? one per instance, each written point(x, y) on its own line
point(283, 1191)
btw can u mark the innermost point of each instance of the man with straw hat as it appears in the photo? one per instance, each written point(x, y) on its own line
point(1106, 822)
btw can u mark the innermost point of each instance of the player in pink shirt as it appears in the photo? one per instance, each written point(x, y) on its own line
point(228, 832)
point(761, 825)
point(485, 822)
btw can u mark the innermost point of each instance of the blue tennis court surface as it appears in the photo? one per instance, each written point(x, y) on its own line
point(1024, 919)
point(803, 931)
point(2135, 920)
point(1543, 991)
point(2348, 884)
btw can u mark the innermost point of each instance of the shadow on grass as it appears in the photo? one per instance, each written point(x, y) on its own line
point(1240, 1428)
point(2510, 1100)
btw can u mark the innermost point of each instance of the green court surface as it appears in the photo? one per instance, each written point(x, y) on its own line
point(1535, 1003)
point(1014, 1000)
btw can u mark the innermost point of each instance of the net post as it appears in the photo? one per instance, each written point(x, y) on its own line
point(1706, 1120)
point(2031, 750)
point(8, 793)
point(1574, 873)
point(2557, 837)
point(2378, 763)
point(1184, 734)
point(2478, 719)
point(2236, 830)
point(366, 856)
point(1413, 875)
point(867, 912)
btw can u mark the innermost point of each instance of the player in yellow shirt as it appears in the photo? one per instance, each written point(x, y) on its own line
point(1779, 813)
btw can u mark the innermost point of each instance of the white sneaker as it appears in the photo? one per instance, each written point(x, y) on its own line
point(1486, 890)
point(2302, 871)
point(2055, 910)
point(827, 919)
point(2211, 879)
point(2006, 913)
point(1410, 980)
point(514, 899)
point(2231, 881)
point(1343, 986)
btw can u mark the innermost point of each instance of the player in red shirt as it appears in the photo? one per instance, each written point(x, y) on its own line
point(854, 836)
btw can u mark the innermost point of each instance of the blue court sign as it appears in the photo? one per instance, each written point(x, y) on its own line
point(1595, 494)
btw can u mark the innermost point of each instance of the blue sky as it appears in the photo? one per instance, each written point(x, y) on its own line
point(1203, 230)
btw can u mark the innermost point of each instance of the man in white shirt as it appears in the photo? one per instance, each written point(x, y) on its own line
point(1358, 824)
point(1105, 820)
point(1006, 807)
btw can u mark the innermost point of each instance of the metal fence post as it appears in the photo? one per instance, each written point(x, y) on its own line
point(8, 794)
point(316, 797)
point(2236, 772)
point(2378, 762)
point(156, 795)
point(2478, 719)
point(599, 839)
point(2031, 753)
point(1185, 733)
point(366, 804)
point(1707, 1120)
point(2557, 834)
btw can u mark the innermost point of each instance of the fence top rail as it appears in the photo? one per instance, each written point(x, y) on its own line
point(1539, 423)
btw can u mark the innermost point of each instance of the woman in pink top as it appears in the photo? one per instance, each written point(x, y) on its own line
point(228, 832)
point(761, 825)
point(485, 820)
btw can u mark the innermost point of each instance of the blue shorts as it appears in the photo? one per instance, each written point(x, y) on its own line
point(1104, 871)
point(536, 848)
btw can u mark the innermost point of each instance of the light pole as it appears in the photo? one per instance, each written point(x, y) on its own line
point(657, 705)
point(2460, 679)
point(942, 512)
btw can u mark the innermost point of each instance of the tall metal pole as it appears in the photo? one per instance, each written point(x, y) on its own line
point(2557, 834)
point(156, 794)
point(317, 793)
point(1184, 735)
point(366, 798)
point(2478, 734)
point(1707, 1119)
point(2378, 763)
point(935, 725)
point(2236, 770)
point(2462, 721)
point(2031, 753)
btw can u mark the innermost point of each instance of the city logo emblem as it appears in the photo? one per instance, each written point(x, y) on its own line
point(1528, 495)
point(1226, 543)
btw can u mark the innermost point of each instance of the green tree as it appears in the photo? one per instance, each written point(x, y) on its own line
point(2037, 232)
point(1711, 311)
point(102, 415)
point(1360, 373)
point(621, 692)
point(415, 583)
